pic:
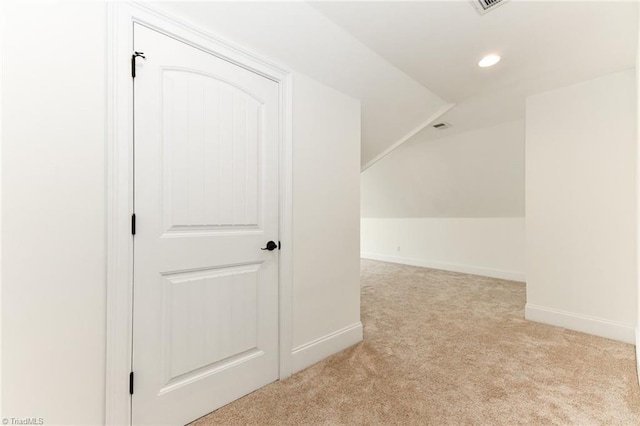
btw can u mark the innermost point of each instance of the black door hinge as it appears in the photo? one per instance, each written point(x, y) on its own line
point(278, 245)
point(133, 62)
point(131, 383)
point(133, 224)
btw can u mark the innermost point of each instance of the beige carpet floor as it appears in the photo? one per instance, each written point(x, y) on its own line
point(443, 348)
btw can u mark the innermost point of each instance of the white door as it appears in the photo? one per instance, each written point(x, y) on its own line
point(205, 309)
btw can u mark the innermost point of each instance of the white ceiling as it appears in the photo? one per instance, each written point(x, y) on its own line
point(544, 45)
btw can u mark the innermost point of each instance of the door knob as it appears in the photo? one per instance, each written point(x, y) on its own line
point(271, 245)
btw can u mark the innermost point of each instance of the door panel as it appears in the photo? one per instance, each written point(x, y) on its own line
point(201, 328)
point(212, 142)
point(206, 200)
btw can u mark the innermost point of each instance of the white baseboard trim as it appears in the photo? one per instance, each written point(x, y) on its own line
point(434, 264)
point(584, 323)
point(319, 349)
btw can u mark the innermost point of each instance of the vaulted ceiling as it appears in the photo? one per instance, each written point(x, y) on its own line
point(408, 61)
point(544, 45)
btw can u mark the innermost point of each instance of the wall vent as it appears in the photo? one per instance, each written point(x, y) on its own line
point(483, 6)
point(441, 126)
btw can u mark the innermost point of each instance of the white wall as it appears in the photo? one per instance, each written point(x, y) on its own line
point(326, 215)
point(456, 203)
point(53, 214)
point(581, 206)
point(492, 247)
point(473, 174)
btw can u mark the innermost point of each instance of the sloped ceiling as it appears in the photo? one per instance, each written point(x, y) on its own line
point(296, 35)
point(408, 61)
point(544, 45)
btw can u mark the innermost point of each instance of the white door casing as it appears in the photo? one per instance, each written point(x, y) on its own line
point(121, 18)
point(205, 307)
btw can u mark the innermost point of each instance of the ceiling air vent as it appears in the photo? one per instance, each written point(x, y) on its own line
point(441, 126)
point(483, 6)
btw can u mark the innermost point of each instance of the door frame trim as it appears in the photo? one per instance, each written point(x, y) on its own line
point(119, 177)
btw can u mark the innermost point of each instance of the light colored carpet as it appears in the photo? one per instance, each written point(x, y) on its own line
point(444, 348)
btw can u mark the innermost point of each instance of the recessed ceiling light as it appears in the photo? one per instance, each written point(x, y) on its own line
point(488, 61)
